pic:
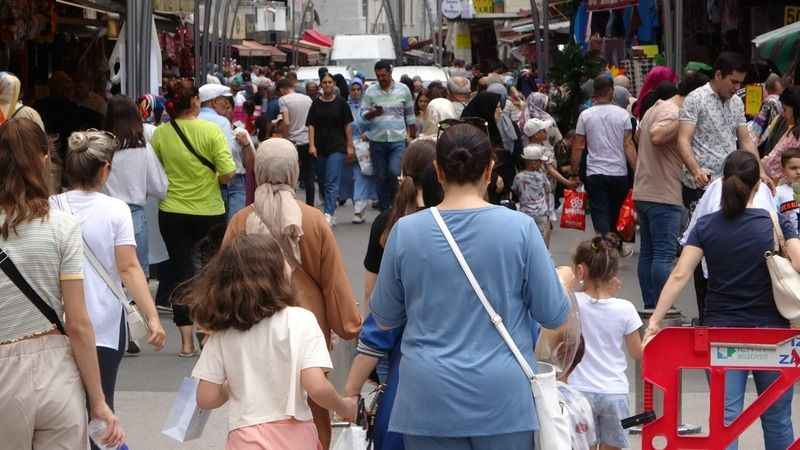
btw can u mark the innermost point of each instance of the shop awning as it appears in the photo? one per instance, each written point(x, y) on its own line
point(780, 46)
point(253, 48)
point(299, 49)
point(317, 38)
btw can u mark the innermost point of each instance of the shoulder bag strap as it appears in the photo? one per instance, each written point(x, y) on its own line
point(11, 271)
point(495, 318)
point(189, 146)
point(777, 232)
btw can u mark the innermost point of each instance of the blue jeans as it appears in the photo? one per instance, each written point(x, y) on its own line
point(386, 157)
point(329, 169)
point(347, 182)
point(659, 225)
point(234, 195)
point(363, 188)
point(776, 421)
point(606, 195)
point(140, 234)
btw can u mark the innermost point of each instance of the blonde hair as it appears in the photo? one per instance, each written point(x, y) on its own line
point(10, 87)
point(88, 152)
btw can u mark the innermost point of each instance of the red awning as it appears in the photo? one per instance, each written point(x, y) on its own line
point(253, 48)
point(317, 38)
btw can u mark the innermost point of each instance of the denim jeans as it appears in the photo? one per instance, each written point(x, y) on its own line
point(329, 169)
point(347, 182)
point(659, 225)
point(776, 421)
point(363, 189)
point(140, 234)
point(386, 158)
point(234, 194)
point(606, 195)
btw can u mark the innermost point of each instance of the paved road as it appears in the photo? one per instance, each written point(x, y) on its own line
point(147, 383)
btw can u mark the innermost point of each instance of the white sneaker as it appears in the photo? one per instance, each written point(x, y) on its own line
point(358, 218)
point(330, 219)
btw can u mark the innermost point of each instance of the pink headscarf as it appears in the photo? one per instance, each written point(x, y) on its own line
point(656, 76)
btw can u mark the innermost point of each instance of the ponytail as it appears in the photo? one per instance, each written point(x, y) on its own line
point(600, 256)
point(405, 202)
point(740, 177)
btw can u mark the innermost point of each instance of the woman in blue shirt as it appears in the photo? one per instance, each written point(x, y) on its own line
point(733, 242)
point(459, 385)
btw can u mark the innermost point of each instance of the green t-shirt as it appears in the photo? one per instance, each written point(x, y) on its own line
point(193, 188)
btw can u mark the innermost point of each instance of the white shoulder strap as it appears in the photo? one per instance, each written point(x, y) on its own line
point(495, 318)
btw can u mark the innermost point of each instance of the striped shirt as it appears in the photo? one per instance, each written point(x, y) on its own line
point(398, 112)
point(46, 252)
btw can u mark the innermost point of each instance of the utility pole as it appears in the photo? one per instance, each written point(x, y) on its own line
point(536, 23)
point(546, 40)
point(396, 36)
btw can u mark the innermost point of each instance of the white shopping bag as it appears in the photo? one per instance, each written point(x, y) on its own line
point(364, 158)
point(351, 438)
point(186, 420)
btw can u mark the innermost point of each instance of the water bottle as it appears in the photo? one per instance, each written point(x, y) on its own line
point(97, 428)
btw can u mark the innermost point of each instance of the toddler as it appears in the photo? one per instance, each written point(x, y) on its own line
point(532, 188)
point(785, 196)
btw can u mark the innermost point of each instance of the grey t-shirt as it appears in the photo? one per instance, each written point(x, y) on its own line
point(604, 127)
point(297, 105)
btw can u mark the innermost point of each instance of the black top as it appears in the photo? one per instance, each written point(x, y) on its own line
point(329, 120)
point(372, 261)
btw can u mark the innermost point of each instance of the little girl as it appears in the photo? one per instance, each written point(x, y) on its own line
point(263, 355)
point(608, 324)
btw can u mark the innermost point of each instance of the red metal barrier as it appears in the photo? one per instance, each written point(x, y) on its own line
point(714, 349)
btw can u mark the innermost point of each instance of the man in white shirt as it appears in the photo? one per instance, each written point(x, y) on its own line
point(294, 111)
point(605, 132)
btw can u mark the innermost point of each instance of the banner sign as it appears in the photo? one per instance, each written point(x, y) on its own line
point(602, 5)
point(785, 354)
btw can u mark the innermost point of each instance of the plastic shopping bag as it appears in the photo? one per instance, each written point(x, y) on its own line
point(364, 158)
point(186, 420)
point(626, 223)
point(351, 438)
point(574, 214)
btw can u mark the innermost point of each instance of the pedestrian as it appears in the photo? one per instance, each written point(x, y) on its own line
point(784, 194)
point(459, 91)
point(319, 277)
point(330, 136)
point(49, 370)
point(363, 185)
point(312, 89)
point(436, 90)
point(388, 108)
point(421, 105)
point(790, 105)
point(196, 162)
point(151, 111)
point(11, 101)
point(446, 328)
point(771, 110)
point(532, 188)
point(215, 107)
point(343, 90)
point(486, 107)
point(664, 91)
point(625, 82)
point(608, 325)
point(733, 241)
point(438, 109)
point(604, 132)
point(526, 83)
point(108, 234)
point(654, 77)
point(657, 189)
point(535, 108)
point(264, 355)
point(294, 108)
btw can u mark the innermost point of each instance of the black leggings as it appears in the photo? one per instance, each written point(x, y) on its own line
point(182, 233)
point(109, 361)
point(308, 165)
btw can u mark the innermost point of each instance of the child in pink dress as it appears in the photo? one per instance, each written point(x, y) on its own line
point(264, 357)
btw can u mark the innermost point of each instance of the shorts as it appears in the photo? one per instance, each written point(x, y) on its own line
point(544, 224)
point(608, 411)
point(287, 434)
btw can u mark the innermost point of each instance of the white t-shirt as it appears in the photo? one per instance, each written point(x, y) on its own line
point(105, 224)
point(136, 174)
point(297, 106)
point(581, 417)
point(604, 127)
point(604, 324)
point(262, 366)
point(787, 205)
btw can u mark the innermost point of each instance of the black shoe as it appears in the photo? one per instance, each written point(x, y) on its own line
point(133, 349)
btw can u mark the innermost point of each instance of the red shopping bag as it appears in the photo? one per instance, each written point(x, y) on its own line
point(574, 214)
point(626, 223)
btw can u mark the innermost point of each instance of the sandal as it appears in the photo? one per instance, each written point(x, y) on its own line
point(189, 355)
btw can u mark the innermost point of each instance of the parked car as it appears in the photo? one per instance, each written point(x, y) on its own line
point(426, 73)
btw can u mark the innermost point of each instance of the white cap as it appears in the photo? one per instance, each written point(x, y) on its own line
point(212, 91)
point(533, 126)
point(534, 152)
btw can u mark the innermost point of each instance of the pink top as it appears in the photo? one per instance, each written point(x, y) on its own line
point(772, 162)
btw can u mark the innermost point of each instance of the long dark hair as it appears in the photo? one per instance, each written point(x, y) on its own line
point(123, 119)
point(417, 158)
point(791, 97)
point(739, 176)
point(23, 189)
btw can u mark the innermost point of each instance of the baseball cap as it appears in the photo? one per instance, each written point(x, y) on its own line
point(534, 152)
point(212, 91)
point(533, 126)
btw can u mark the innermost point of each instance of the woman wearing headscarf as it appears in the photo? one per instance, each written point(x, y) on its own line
point(11, 101)
point(364, 190)
point(439, 109)
point(341, 84)
point(319, 275)
point(535, 108)
point(487, 106)
point(656, 76)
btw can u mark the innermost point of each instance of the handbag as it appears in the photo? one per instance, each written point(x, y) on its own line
point(554, 423)
point(189, 146)
point(11, 271)
point(785, 280)
point(351, 438)
point(137, 326)
point(364, 158)
point(626, 222)
point(573, 215)
point(186, 420)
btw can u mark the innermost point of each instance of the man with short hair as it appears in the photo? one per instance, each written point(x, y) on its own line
point(771, 109)
point(294, 109)
point(657, 189)
point(388, 107)
point(458, 88)
point(312, 89)
point(605, 132)
point(216, 107)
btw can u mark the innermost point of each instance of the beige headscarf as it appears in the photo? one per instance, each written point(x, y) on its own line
point(438, 109)
point(9, 95)
point(276, 210)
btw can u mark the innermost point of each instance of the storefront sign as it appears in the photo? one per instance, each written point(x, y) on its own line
point(786, 354)
point(791, 14)
point(752, 99)
point(174, 6)
point(601, 5)
point(483, 6)
point(451, 9)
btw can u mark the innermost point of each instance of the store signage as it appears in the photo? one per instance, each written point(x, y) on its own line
point(600, 5)
point(791, 14)
point(174, 6)
point(483, 6)
point(785, 354)
point(451, 9)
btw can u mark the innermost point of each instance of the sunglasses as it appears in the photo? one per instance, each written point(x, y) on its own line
point(474, 121)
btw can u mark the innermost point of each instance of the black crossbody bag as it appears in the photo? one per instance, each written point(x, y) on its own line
point(11, 271)
point(188, 145)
